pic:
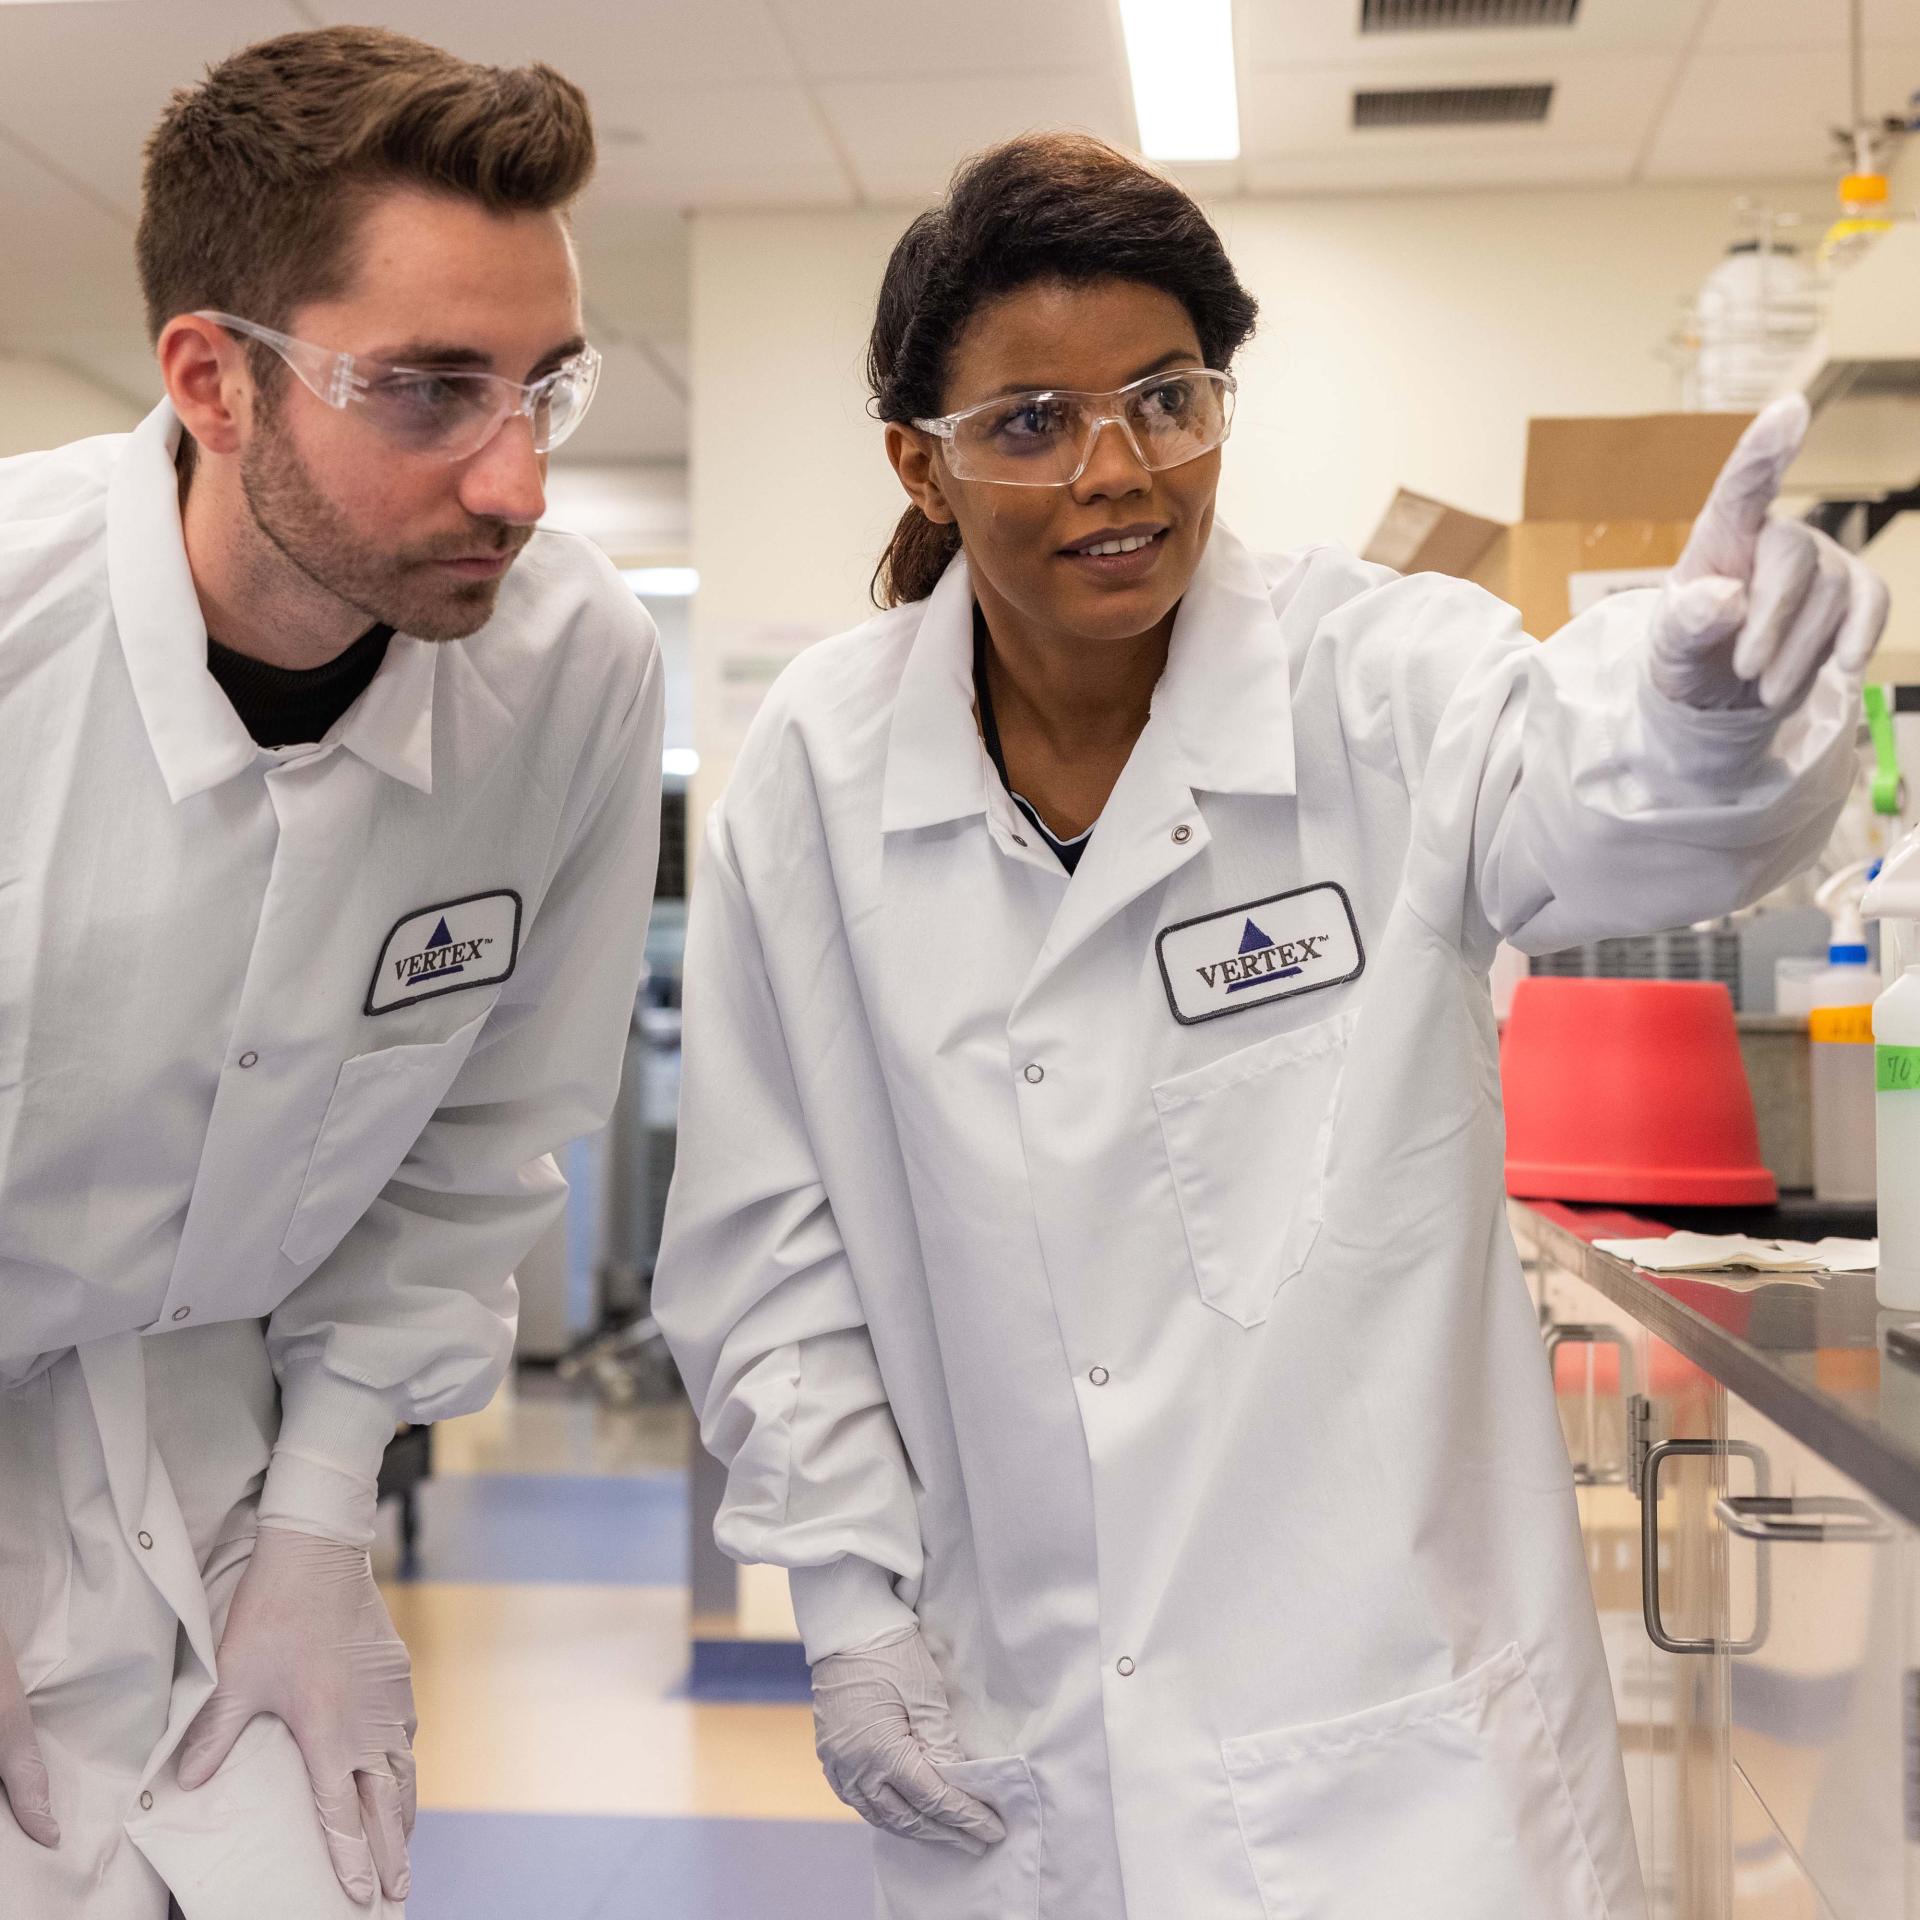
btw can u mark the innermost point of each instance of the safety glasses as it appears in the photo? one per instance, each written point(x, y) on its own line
point(439, 415)
point(1046, 438)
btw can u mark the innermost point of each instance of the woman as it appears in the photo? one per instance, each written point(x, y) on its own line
point(1087, 1251)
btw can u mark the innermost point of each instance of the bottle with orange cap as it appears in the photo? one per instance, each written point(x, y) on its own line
point(1863, 214)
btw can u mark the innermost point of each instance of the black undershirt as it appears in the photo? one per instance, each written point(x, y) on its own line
point(289, 706)
point(1067, 852)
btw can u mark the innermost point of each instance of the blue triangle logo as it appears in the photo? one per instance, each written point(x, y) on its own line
point(442, 938)
point(1252, 941)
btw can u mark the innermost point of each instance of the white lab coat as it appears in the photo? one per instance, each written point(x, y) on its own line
point(1166, 1354)
point(287, 1039)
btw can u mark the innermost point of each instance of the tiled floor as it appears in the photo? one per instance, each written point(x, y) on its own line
point(564, 1775)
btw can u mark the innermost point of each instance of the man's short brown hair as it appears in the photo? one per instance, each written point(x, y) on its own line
point(255, 179)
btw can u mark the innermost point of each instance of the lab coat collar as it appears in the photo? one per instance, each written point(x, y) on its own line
point(935, 763)
point(1225, 699)
point(198, 739)
point(1223, 710)
point(391, 725)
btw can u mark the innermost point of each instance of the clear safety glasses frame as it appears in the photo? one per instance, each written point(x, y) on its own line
point(1157, 443)
point(441, 413)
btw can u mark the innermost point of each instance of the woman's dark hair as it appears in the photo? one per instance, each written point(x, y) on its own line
point(1047, 206)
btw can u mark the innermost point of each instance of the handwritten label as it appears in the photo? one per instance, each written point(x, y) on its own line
point(1896, 1069)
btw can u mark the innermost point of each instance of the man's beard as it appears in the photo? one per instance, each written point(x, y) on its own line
point(391, 589)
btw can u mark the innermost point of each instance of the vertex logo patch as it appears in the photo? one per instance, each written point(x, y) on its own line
point(1266, 950)
point(462, 943)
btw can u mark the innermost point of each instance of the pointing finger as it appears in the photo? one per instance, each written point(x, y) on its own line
point(1728, 530)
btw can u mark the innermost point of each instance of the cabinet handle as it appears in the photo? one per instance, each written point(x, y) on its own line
point(1650, 1549)
point(1779, 1519)
point(1571, 1333)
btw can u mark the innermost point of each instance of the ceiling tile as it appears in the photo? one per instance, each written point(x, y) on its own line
point(905, 140)
point(1808, 24)
point(637, 51)
point(85, 85)
point(907, 39)
point(718, 147)
point(1294, 33)
point(1764, 114)
point(91, 304)
point(633, 264)
point(636, 415)
point(1600, 101)
point(1421, 169)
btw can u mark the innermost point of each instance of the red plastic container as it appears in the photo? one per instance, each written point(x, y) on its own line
point(1629, 1091)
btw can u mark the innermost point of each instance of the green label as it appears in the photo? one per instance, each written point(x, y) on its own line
point(1897, 1069)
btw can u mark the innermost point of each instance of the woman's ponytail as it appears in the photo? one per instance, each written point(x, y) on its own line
point(916, 557)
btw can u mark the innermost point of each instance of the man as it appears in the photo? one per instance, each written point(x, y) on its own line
point(328, 821)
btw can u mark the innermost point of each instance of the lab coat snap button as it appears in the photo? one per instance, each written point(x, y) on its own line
point(1125, 1669)
point(1017, 841)
point(1035, 1073)
point(249, 1059)
point(180, 1313)
point(1181, 835)
point(1099, 1376)
point(146, 1540)
point(146, 1803)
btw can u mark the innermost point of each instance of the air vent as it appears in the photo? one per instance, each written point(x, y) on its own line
point(1452, 106)
point(1444, 16)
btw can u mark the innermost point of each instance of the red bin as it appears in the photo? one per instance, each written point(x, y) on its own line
point(1629, 1091)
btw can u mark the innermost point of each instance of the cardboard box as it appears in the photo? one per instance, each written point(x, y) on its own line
point(1608, 503)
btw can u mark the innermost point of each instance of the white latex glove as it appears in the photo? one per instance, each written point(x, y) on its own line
point(22, 1770)
point(1756, 606)
point(882, 1729)
point(308, 1639)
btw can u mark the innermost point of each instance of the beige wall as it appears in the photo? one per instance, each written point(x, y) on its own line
point(44, 405)
point(1405, 341)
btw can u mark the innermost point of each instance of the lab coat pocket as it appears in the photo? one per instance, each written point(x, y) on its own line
point(924, 1880)
point(380, 1104)
point(1449, 1804)
point(36, 1543)
point(1246, 1140)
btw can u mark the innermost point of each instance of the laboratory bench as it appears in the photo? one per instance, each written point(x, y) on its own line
point(1747, 1466)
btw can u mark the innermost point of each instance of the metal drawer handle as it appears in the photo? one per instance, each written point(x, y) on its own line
point(1650, 1549)
point(1570, 1333)
point(1781, 1518)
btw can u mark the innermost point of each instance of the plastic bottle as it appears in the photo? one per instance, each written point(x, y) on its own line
point(1863, 218)
point(1895, 896)
point(1840, 1029)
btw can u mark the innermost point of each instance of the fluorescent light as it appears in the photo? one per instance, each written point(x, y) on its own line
point(1180, 53)
point(681, 760)
point(662, 583)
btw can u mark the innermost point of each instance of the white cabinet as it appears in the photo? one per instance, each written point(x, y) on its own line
point(1773, 1757)
point(1818, 1696)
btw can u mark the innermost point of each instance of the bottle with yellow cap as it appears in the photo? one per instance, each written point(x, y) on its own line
point(1840, 1030)
point(1863, 214)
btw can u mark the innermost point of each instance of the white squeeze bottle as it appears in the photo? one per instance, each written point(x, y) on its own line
point(1840, 1028)
point(1895, 899)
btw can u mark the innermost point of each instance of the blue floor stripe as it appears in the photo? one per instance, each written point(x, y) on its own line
point(759, 1670)
point(519, 1866)
point(507, 1528)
